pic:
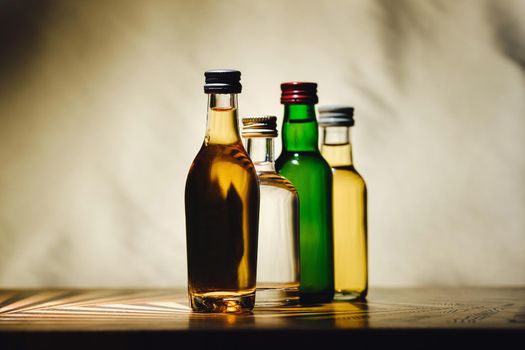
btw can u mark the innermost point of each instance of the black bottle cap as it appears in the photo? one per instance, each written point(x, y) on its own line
point(336, 116)
point(222, 81)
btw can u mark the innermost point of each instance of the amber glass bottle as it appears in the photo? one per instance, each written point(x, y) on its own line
point(349, 209)
point(222, 208)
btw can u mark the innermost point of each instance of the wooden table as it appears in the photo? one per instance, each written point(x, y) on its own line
point(411, 318)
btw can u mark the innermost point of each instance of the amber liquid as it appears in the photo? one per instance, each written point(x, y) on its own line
point(350, 224)
point(222, 208)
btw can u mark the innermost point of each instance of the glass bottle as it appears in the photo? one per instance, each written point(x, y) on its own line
point(278, 247)
point(301, 163)
point(350, 208)
point(222, 207)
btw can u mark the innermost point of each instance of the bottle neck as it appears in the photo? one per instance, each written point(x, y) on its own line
point(336, 147)
point(300, 131)
point(222, 125)
point(260, 150)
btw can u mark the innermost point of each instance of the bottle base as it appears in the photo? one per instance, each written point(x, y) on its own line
point(277, 296)
point(315, 298)
point(222, 302)
point(349, 295)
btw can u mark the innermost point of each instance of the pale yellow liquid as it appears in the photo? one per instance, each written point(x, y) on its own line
point(350, 224)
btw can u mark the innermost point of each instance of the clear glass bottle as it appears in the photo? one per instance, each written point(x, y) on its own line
point(301, 163)
point(278, 247)
point(349, 208)
point(222, 208)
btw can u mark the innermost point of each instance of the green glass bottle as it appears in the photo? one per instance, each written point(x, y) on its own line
point(301, 162)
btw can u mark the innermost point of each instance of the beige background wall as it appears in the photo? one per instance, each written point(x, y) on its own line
point(102, 111)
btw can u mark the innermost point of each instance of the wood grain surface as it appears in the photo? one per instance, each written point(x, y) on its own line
point(165, 309)
point(59, 317)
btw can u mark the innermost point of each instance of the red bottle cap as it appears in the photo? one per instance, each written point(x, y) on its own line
point(297, 92)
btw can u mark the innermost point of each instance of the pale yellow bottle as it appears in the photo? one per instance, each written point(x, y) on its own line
point(349, 205)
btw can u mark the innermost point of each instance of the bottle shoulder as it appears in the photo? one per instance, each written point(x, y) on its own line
point(309, 159)
point(215, 154)
point(313, 155)
point(348, 172)
point(276, 180)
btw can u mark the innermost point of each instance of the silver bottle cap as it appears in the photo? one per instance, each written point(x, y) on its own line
point(259, 126)
point(336, 116)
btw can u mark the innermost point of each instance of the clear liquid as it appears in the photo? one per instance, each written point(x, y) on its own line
point(278, 251)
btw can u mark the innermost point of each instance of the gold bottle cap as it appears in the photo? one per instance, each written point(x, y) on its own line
point(259, 126)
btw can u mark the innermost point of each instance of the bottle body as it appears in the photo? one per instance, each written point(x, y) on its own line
point(349, 216)
point(350, 234)
point(312, 178)
point(222, 208)
point(302, 164)
point(278, 249)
